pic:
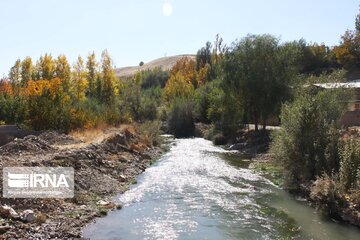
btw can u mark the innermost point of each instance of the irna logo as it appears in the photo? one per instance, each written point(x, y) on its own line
point(16, 180)
point(38, 182)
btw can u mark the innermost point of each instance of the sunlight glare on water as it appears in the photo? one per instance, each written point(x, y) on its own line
point(193, 192)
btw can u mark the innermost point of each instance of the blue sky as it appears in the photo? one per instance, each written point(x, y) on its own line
point(139, 30)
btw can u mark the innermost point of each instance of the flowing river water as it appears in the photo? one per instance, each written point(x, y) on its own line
point(200, 191)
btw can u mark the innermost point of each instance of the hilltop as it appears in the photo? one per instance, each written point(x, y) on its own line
point(165, 63)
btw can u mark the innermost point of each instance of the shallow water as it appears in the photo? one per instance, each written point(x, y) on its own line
point(199, 191)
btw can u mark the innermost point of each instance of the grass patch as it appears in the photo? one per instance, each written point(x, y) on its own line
point(272, 171)
point(133, 181)
point(102, 211)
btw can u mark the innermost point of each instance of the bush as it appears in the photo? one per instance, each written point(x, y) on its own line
point(325, 189)
point(180, 119)
point(150, 132)
point(219, 139)
point(148, 109)
point(307, 142)
point(350, 164)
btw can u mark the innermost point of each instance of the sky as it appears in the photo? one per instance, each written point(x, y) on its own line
point(143, 30)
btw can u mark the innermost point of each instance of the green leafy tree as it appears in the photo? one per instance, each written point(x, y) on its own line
point(257, 71)
point(15, 72)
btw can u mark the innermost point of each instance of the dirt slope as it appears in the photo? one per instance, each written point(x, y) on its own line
point(165, 63)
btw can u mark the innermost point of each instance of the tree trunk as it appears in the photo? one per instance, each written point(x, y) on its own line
point(264, 125)
point(256, 122)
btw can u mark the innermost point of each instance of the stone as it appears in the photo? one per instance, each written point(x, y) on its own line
point(27, 215)
point(8, 212)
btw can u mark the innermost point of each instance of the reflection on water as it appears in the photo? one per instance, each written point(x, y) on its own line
point(199, 191)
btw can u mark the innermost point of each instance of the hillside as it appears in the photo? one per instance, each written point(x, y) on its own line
point(164, 63)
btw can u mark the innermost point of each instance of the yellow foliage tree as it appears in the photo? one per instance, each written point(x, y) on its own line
point(80, 83)
point(178, 87)
point(187, 68)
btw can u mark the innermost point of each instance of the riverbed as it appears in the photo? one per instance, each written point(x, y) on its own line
point(201, 191)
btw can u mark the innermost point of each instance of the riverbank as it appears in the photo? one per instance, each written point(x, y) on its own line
point(321, 194)
point(106, 162)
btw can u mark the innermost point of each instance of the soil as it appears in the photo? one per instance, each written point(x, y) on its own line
point(103, 168)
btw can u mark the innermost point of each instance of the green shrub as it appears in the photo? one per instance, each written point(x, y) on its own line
point(307, 142)
point(219, 139)
point(150, 131)
point(350, 164)
point(181, 118)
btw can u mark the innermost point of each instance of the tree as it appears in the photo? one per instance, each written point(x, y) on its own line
point(109, 89)
point(80, 83)
point(204, 56)
point(63, 71)
point(27, 71)
point(15, 72)
point(178, 87)
point(92, 72)
point(46, 67)
point(348, 52)
point(187, 68)
point(257, 71)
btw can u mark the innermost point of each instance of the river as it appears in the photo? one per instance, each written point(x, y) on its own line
point(200, 191)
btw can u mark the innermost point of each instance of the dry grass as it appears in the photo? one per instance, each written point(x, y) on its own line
point(165, 63)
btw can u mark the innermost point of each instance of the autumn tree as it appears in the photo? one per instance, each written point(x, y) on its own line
point(91, 72)
point(109, 89)
point(348, 52)
point(80, 84)
point(45, 67)
point(63, 72)
point(27, 71)
point(186, 67)
point(178, 86)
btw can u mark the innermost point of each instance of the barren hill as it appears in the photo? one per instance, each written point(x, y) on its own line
point(165, 63)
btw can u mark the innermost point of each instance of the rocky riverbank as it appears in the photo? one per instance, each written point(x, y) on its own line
point(104, 166)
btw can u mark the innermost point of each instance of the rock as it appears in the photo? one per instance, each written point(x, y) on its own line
point(106, 204)
point(238, 146)
point(8, 212)
point(102, 202)
point(82, 207)
point(27, 215)
point(4, 229)
point(118, 139)
point(30, 144)
point(122, 178)
point(53, 138)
